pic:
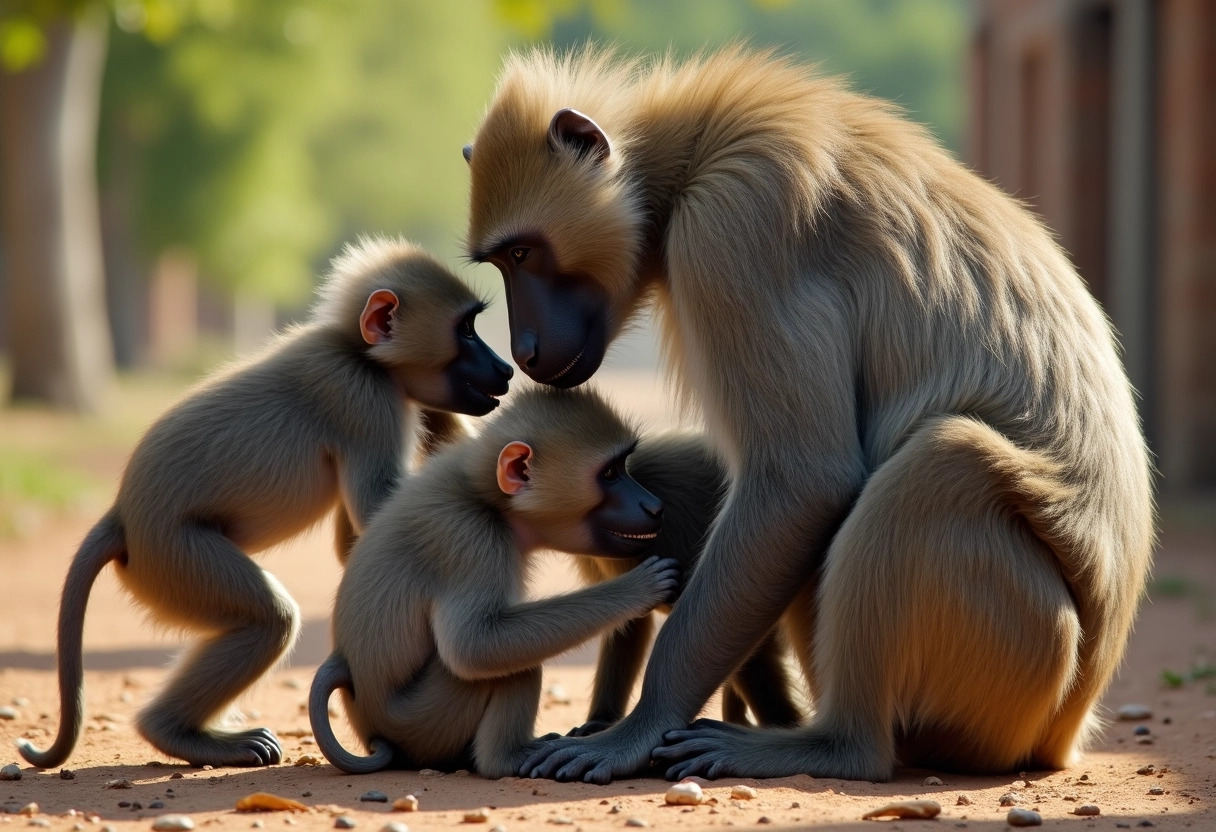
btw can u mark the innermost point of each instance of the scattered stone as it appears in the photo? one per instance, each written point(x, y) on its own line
point(9, 713)
point(208, 768)
point(764, 819)
point(562, 820)
point(637, 822)
point(12, 771)
point(305, 794)
point(135, 805)
point(67, 774)
point(124, 804)
point(267, 802)
point(1135, 713)
point(1167, 721)
point(1146, 823)
point(1023, 817)
point(1069, 798)
point(1010, 799)
point(963, 800)
point(394, 826)
point(428, 772)
point(409, 803)
point(1149, 769)
point(743, 793)
point(307, 760)
point(556, 694)
point(1144, 740)
point(344, 822)
point(616, 809)
point(77, 827)
point(177, 775)
point(20, 701)
point(1083, 778)
point(498, 827)
point(477, 815)
point(906, 809)
point(172, 823)
point(373, 797)
point(1156, 790)
point(38, 822)
point(1142, 731)
point(118, 784)
point(932, 781)
point(257, 824)
point(685, 794)
point(109, 828)
point(460, 772)
point(29, 810)
point(156, 804)
point(795, 805)
point(1087, 809)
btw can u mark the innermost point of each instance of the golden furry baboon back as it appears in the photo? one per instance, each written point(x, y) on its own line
point(864, 323)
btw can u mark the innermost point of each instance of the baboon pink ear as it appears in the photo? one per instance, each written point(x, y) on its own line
point(376, 322)
point(513, 467)
point(571, 129)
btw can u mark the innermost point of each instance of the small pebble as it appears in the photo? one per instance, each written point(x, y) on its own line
point(1144, 740)
point(1018, 785)
point(109, 828)
point(685, 794)
point(118, 784)
point(12, 771)
point(1156, 790)
point(561, 820)
point(477, 815)
point(795, 805)
point(1142, 731)
point(909, 809)
point(29, 810)
point(963, 800)
point(933, 781)
point(616, 809)
point(1087, 809)
point(1149, 769)
point(409, 803)
point(177, 775)
point(637, 822)
point(124, 804)
point(1010, 799)
point(1083, 777)
point(1146, 823)
point(428, 772)
point(1167, 721)
point(395, 826)
point(373, 797)
point(21, 701)
point(77, 827)
point(557, 695)
point(9, 713)
point(498, 827)
point(156, 804)
point(743, 793)
point(172, 823)
point(257, 824)
point(1135, 713)
point(38, 822)
point(343, 822)
point(135, 804)
point(764, 819)
point(1023, 817)
point(67, 774)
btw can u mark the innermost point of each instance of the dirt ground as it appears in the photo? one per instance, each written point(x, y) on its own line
point(126, 660)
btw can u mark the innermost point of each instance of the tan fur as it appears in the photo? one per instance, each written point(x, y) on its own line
point(435, 648)
point(249, 458)
point(865, 324)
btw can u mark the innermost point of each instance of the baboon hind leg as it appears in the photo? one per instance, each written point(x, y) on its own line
point(201, 580)
point(942, 619)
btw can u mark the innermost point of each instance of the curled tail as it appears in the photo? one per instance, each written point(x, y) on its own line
point(103, 544)
point(331, 675)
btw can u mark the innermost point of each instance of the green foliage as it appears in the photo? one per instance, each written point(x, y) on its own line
point(1201, 672)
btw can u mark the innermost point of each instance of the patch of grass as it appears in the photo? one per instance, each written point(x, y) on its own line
point(1200, 672)
point(1170, 586)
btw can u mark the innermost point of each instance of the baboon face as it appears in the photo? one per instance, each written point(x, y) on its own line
point(472, 379)
point(551, 210)
point(628, 518)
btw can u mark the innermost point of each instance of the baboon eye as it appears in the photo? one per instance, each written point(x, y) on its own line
point(466, 327)
point(519, 254)
point(610, 473)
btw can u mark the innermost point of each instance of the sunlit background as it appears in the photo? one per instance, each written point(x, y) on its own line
point(175, 175)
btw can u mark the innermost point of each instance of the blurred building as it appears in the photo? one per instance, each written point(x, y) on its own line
point(1102, 115)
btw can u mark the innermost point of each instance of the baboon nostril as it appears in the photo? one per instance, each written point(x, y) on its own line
point(524, 349)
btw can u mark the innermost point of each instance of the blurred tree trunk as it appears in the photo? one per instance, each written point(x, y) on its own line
point(58, 336)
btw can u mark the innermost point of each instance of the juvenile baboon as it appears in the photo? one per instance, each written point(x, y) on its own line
point(256, 454)
point(438, 655)
point(934, 452)
point(682, 471)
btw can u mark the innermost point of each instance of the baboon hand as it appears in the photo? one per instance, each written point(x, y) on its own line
point(657, 580)
point(591, 726)
point(619, 751)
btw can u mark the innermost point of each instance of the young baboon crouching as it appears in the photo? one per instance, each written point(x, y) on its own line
point(685, 473)
point(257, 454)
point(438, 655)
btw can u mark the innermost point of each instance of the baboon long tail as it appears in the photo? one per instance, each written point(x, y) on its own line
point(331, 675)
point(104, 543)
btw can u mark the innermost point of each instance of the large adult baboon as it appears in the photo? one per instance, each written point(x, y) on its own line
point(939, 479)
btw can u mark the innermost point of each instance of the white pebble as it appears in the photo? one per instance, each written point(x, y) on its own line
point(343, 822)
point(395, 826)
point(1135, 712)
point(1023, 817)
point(172, 823)
point(637, 822)
point(477, 815)
point(742, 793)
point(9, 713)
point(684, 794)
point(21, 701)
point(561, 821)
point(498, 827)
point(1087, 809)
point(557, 695)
